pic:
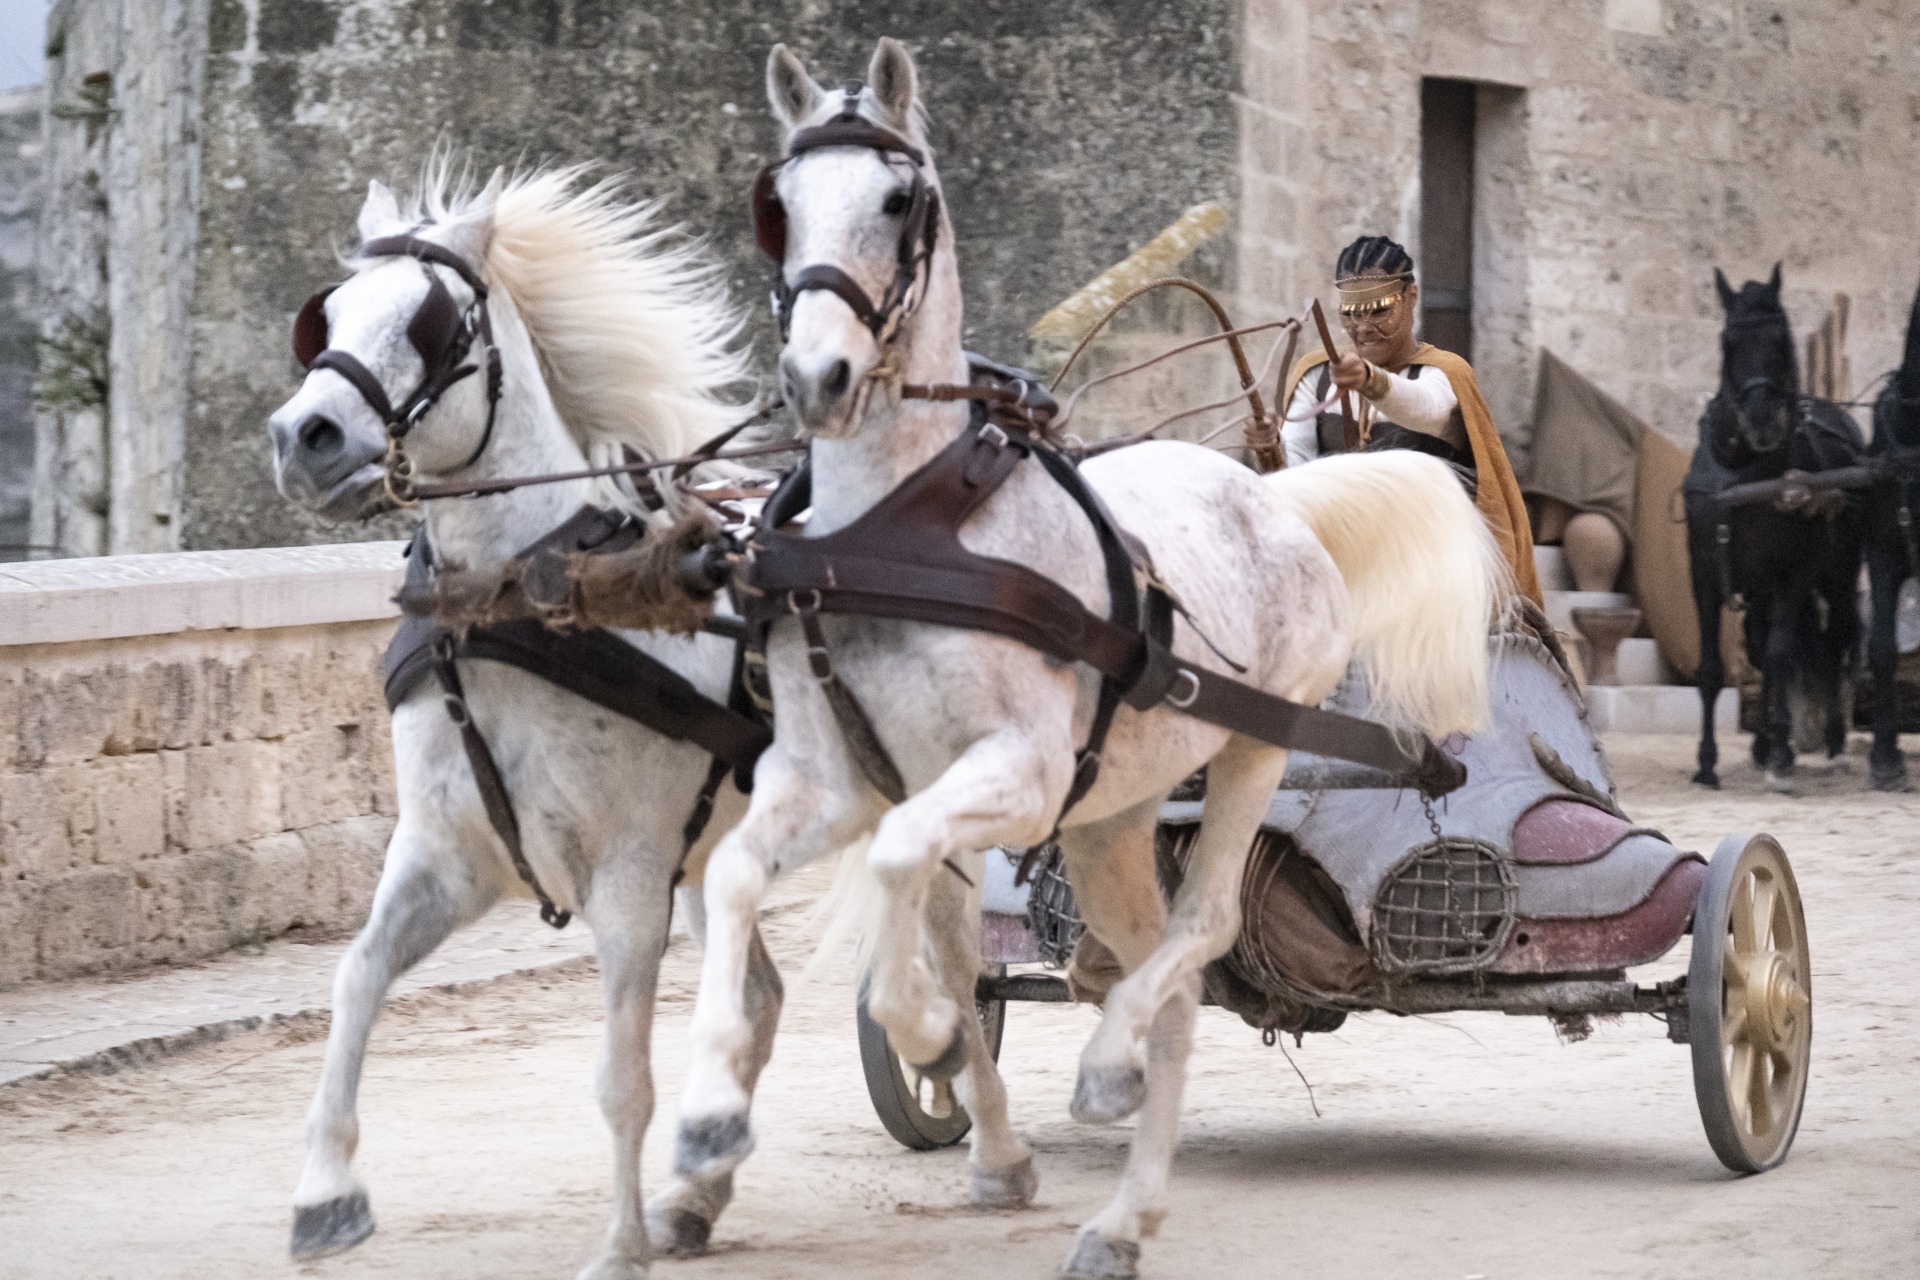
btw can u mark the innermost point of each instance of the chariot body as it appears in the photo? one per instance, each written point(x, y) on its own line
point(1525, 892)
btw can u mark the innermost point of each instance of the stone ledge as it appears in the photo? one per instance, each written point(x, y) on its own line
point(60, 601)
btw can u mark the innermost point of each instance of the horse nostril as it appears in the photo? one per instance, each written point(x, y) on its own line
point(835, 383)
point(320, 435)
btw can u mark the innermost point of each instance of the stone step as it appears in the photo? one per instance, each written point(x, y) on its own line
point(1658, 708)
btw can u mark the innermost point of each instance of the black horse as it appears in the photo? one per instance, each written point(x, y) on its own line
point(1793, 566)
point(1893, 546)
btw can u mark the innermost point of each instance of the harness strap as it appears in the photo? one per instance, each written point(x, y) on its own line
point(486, 777)
point(863, 741)
point(595, 665)
point(903, 560)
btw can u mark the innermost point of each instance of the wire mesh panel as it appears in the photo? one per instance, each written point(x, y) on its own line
point(1447, 907)
point(1051, 910)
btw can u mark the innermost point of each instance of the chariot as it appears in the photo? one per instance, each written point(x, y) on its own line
point(1527, 892)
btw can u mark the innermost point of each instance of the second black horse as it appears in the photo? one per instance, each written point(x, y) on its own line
point(1792, 565)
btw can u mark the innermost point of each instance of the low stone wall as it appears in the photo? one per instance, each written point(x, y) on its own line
point(194, 752)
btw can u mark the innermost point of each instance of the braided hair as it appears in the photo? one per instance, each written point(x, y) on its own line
point(1373, 256)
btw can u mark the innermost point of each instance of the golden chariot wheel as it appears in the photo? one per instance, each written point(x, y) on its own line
point(1750, 1001)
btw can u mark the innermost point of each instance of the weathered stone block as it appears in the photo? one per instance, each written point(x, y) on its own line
point(326, 776)
point(84, 921)
point(222, 793)
point(129, 796)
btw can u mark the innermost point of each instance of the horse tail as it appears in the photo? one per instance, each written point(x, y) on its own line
point(846, 915)
point(1423, 574)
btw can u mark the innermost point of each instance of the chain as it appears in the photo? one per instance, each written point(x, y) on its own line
point(1433, 820)
point(399, 477)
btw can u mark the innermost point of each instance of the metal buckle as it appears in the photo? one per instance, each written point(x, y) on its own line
point(793, 601)
point(994, 435)
point(1180, 700)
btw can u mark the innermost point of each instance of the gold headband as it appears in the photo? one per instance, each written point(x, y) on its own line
point(1361, 295)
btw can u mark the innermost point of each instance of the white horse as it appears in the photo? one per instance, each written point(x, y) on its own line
point(609, 335)
point(1379, 558)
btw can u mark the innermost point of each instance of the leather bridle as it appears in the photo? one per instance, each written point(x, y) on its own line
point(919, 227)
point(441, 332)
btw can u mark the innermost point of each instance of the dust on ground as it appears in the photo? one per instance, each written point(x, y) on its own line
point(1467, 1145)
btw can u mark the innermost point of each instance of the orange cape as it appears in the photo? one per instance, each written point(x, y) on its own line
point(1499, 493)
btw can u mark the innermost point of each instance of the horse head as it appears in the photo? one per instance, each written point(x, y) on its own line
point(391, 353)
point(854, 220)
point(1754, 413)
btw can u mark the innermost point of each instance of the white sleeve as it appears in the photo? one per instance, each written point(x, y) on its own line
point(1424, 403)
point(1302, 439)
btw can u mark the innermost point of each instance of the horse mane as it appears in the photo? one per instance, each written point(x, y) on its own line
point(630, 319)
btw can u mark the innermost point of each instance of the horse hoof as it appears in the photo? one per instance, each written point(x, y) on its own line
point(1097, 1258)
point(1105, 1095)
point(1010, 1188)
point(1707, 778)
point(1781, 784)
point(1890, 778)
point(614, 1269)
point(712, 1145)
point(678, 1233)
point(321, 1230)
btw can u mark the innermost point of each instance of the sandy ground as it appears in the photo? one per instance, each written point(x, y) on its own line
point(1472, 1145)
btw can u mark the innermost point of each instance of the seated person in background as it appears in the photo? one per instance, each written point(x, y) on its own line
point(1407, 395)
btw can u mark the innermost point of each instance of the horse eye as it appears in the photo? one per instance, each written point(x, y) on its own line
point(896, 204)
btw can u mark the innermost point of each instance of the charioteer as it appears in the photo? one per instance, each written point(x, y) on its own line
point(1407, 394)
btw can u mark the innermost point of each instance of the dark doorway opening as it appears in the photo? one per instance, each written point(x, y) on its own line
point(1446, 214)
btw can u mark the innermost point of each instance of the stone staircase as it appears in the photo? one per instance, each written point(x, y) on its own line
point(1642, 693)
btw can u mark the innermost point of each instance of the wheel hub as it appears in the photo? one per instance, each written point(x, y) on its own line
point(1775, 999)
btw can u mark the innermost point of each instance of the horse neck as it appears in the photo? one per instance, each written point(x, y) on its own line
point(893, 440)
point(529, 438)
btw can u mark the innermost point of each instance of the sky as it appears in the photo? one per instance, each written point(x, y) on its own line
point(23, 35)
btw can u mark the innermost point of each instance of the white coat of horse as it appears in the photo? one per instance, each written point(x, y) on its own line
point(610, 336)
point(1378, 558)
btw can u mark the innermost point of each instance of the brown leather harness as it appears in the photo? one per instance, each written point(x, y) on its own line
point(903, 559)
point(594, 664)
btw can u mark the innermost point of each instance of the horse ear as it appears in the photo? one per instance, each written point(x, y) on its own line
point(379, 213)
point(472, 235)
point(790, 90)
point(894, 81)
point(1726, 290)
point(1773, 282)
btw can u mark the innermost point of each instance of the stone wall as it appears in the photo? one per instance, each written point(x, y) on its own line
point(20, 193)
point(194, 752)
point(1626, 147)
point(1069, 132)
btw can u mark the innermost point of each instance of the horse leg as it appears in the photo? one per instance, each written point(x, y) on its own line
point(999, 791)
point(627, 908)
point(1002, 1164)
point(426, 891)
point(1841, 637)
point(1779, 664)
point(680, 1219)
point(1884, 565)
point(1111, 866)
point(1241, 781)
point(1711, 678)
point(791, 820)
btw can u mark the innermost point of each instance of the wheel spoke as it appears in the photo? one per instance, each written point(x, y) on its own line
point(1741, 914)
point(1766, 892)
point(1759, 1096)
point(1735, 1021)
point(1740, 1084)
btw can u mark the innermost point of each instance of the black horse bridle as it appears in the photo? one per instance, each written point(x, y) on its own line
point(919, 229)
point(441, 332)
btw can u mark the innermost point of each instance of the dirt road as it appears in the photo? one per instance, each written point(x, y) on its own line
point(1471, 1145)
